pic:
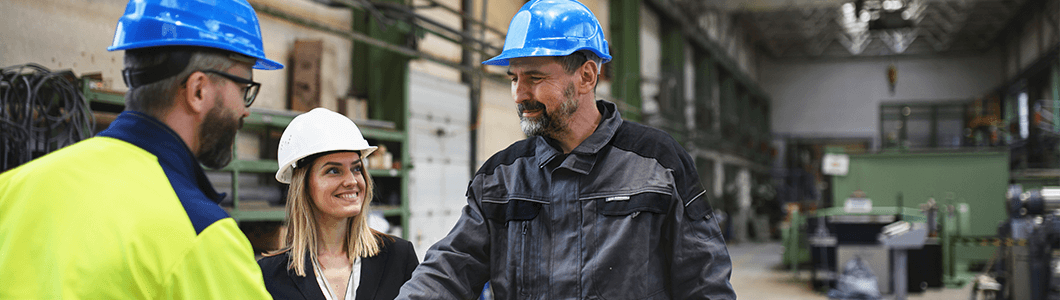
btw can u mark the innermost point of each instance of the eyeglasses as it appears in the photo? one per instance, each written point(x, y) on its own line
point(249, 93)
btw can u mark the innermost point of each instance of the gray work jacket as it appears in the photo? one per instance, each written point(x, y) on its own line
point(623, 216)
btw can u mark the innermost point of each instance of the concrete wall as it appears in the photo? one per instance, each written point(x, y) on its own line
point(279, 36)
point(438, 46)
point(62, 34)
point(74, 34)
point(841, 98)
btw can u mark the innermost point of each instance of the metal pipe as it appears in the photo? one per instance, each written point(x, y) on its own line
point(360, 37)
point(1051, 198)
point(467, 37)
point(1051, 193)
point(476, 102)
point(482, 26)
point(459, 41)
point(373, 9)
point(696, 36)
point(475, 90)
point(901, 262)
point(465, 17)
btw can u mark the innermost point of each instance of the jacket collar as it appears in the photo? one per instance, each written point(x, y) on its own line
point(308, 284)
point(372, 269)
point(158, 139)
point(583, 157)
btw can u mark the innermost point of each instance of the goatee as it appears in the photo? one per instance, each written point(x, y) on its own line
point(546, 124)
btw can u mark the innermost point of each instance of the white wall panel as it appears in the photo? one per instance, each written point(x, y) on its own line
point(498, 125)
point(439, 143)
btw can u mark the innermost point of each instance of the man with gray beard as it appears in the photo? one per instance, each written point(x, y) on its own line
point(589, 206)
point(129, 213)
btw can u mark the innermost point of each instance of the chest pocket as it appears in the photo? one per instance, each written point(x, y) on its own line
point(634, 204)
point(515, 245)
point(629, 242)
point(510, 210)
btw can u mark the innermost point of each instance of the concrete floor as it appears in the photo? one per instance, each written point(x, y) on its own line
point(757, 274)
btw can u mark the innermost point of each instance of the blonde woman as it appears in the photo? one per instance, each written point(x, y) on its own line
point(329, 252)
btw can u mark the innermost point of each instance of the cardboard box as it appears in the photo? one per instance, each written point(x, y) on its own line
point(305, 75)
point(353, 108)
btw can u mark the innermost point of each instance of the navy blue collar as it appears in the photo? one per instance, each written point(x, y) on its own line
point(152, 135)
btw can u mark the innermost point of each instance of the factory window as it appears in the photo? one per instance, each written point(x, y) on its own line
point(935, 124)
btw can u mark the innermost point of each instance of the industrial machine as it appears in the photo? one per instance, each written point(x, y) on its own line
point(902, 237)
point(965, 187)
point(1028, 251)
point(838, 234)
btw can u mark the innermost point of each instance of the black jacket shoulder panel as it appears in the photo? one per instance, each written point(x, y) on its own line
point(654, 143)
point(648, 142)
point(520, 149)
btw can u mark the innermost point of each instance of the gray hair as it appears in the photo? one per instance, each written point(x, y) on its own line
point(156, 98)
point(575, 60)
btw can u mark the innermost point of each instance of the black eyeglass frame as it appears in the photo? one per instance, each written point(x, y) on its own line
point(249, 93)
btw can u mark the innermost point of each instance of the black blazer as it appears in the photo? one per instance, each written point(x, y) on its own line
point(381, 275)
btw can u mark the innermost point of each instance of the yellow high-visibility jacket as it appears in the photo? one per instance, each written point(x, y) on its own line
point(128, 214)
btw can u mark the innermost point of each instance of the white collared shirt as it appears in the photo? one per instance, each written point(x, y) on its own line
point(351, 287)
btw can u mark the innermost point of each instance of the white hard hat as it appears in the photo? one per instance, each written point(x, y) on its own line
point(317, 131)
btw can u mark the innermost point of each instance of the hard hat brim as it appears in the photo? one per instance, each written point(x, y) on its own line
point(283, 175)
point(502, 60)
point(261, 63)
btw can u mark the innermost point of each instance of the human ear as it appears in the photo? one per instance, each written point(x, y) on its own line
point(588, 74)
point(196, 94)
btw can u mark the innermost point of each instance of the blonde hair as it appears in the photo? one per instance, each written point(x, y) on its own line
point(301, 238)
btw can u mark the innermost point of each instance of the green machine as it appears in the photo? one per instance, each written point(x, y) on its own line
point(972, 184)
point(968, 188)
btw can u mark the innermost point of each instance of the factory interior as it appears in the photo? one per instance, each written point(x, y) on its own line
point(916, 139)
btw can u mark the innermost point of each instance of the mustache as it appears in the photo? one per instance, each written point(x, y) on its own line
point(530, 105)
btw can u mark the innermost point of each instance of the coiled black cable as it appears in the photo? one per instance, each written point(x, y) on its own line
point(40, 112)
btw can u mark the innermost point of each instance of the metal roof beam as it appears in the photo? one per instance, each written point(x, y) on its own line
point(759, 6)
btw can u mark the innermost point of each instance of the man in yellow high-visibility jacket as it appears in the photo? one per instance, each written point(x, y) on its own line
point(129, 214)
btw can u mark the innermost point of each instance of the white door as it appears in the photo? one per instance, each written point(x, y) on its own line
point(439, 147)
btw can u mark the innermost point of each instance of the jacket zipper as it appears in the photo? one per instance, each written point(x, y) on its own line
point(524, 276)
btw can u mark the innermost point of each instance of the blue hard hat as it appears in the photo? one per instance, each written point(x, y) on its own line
point(229, 25)
point(552, 28)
